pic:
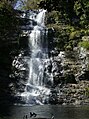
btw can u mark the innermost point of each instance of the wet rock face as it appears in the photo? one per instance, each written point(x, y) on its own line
point(75, 94)
point(71, 77)
point(54, 67)
point(19, 72)
point(84, 76)
point(60, 68)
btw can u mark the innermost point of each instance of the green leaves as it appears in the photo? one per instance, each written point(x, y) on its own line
point(77, 7)
point(8, 20)
point(30, 4)
point(84, 44)
point(81, 8)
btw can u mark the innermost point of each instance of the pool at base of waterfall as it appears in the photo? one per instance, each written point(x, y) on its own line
point(45, 111)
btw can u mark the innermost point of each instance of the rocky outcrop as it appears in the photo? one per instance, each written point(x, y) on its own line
point(68, 69)
point(10, 46)
point(74, 94)
point(71, 77)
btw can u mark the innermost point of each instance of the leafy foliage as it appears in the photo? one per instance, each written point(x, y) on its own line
point(30, 4)
point(84, 44)
point(75, 11)
point(81, 8)
point(87, 91)
point(8, 20)
point(65, 7)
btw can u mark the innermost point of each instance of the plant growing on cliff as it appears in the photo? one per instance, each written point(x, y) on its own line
point(8, 18)
point(87, 91)
point(84, 44)
point(30, 4)
point(81, 8)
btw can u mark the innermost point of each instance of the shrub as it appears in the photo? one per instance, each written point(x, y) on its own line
point(75, 34)
point(84, 44)
point(87, 91)
point(53, 17)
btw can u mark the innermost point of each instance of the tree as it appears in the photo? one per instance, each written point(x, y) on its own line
point(63, 6)
point(81, 8)
point(29, 4)
point(8, 20)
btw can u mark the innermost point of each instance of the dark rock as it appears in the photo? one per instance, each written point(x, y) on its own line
point(60, 101)
point(84, 76)
point(23, 42)
point(70, 78)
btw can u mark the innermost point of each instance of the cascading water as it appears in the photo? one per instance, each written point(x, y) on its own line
point(37, 89)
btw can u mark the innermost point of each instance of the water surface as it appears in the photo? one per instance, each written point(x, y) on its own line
point(60, 112)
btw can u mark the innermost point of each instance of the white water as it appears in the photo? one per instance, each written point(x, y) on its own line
point(36, 90)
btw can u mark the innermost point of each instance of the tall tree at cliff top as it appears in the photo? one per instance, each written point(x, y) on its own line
point(29, 4)
point(81, 8)
point(63, 6)
point(69, 8)
point(7, 18)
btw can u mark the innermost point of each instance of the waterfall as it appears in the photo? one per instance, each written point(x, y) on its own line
point(37, 87)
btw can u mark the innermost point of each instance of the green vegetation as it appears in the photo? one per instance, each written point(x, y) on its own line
point(84, 44)
point(8, 21)
point(71, 10)
point(69, 19)
point(87, 91)
point(30, 4)
point(9, 34)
